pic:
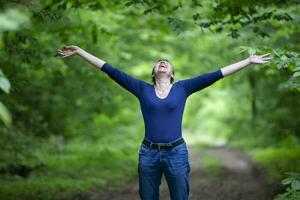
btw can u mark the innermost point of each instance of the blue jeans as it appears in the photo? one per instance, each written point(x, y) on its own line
point(174, 164)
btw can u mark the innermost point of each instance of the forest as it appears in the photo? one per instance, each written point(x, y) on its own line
point(68, 131)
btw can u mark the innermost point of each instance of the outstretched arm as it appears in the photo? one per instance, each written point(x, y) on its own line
point(204, 80)
point(128, 82)
point(71, 50)
point(253, 59)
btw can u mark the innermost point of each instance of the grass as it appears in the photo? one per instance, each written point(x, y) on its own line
point(76, 166)
point(278, 160)
point(46, 187)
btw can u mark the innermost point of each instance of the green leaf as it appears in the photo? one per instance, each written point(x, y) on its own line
point(4, 83)
point(294, 174)
point(296, 68)
point(5, 115)
point(243, 49)
point(252, 51)
point(12, 19)
point(287, 181)
point(129, 3)
point(283, 57)
point(295, 185)
point(296, 74)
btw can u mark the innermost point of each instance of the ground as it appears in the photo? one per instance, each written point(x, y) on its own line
point(240, 178)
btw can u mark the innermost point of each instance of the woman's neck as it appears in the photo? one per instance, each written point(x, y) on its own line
point(162, 83)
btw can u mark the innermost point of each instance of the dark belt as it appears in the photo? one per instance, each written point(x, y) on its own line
point(162, 146)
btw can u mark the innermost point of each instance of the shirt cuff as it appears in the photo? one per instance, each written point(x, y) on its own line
point(106, 68)
point(220, 74)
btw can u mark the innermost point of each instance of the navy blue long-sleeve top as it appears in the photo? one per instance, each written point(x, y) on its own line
point(162, 116)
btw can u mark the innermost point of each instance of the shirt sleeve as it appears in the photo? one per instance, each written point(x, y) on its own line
point(128, 82)
point(200, 82)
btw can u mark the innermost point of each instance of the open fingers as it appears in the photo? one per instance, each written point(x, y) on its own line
point(66, 51)
point(61, 51)
point(265, 55)
point(62, 54)
point(267, 58)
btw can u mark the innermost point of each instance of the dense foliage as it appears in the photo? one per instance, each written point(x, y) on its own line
point(63, 120)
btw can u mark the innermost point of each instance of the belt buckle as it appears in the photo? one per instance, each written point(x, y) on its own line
point(168, 145)
point(151, 145)
point(159, 147)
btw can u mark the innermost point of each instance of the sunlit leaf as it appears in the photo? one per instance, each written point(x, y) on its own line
point(4, 83)
point(5, 114)
point(296, 74)
point(12, 19)
point(295, 185)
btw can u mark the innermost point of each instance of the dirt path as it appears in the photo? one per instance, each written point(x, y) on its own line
point(240, 179)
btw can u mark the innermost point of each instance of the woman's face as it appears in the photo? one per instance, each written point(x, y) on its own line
point(163, 66)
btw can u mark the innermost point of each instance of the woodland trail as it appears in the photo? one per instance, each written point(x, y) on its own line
point(240, 178)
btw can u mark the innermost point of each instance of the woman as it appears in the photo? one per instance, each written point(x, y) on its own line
point(163, 150)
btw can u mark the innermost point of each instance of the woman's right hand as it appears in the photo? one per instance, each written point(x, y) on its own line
point(67, 51)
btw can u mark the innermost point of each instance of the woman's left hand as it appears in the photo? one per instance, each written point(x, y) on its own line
point(254, 59)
